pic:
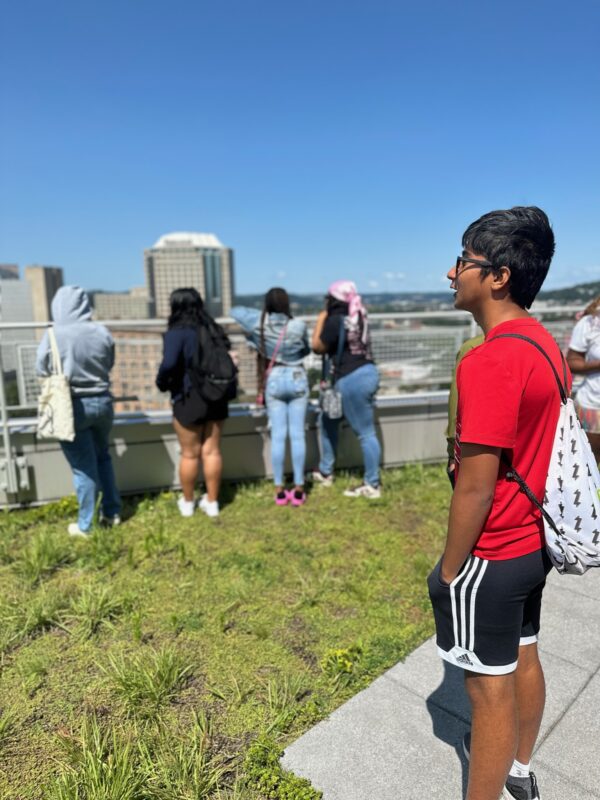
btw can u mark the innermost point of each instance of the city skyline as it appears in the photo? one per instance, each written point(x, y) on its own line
point(318, 141)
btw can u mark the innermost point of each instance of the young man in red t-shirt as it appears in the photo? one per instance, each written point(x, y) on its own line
point(486, 590)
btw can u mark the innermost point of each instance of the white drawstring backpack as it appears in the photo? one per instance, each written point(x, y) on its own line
point(571, 504)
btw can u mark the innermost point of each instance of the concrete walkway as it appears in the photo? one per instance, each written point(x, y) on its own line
point(400, 739)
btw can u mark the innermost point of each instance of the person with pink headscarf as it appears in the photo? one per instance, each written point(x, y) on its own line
point(356, 378)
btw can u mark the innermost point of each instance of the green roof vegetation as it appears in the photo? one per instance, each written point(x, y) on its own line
point(173, 659)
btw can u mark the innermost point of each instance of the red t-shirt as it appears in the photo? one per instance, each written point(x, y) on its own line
point(508, 397)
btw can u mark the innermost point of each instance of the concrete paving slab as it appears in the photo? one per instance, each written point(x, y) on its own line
point(400, 738)
point(379, 746)
point(588, 584)
point(564, 681)
point(573, 747)
point(570, 627)
point(555, 786)
point(424, 669)
point(425, 674)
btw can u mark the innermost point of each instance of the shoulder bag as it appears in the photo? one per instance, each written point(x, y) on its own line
point(330, 398)
point(55, 406)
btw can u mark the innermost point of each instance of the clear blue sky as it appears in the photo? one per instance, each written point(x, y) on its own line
point(318, 139)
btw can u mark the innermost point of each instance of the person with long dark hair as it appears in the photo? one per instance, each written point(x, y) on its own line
point(343, 326)
point(197, 423)
point(583, 359)
point(281, 343)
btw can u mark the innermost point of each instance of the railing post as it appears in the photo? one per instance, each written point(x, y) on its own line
point(11, 477)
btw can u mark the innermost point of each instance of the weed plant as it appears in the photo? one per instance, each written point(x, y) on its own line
point(95, 606)
point(103, 548)
point(97, 765)
point(45, 553)
point(147, 680)
point(42, 611)
point(8, 720)
point(184, 768)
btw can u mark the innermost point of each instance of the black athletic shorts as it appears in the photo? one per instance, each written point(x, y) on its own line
point(488, 610)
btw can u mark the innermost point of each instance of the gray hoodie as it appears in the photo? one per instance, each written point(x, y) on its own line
point(87, 349)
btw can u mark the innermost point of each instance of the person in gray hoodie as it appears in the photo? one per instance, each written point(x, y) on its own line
point(87, 353)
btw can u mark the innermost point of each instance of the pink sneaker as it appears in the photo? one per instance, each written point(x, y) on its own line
point(282, 498)
point(297, 498)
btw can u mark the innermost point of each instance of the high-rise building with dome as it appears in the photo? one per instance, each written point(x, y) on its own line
point(197, 260)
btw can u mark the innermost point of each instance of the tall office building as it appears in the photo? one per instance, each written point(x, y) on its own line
point(44, 283)
point(198, 260)
point(9, 272)
point(15, 306)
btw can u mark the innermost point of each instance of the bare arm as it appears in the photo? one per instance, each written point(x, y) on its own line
point(579, 365)
point(317, 344)
point(470, 506)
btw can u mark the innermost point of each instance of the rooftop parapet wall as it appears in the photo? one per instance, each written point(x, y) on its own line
point(145, 455)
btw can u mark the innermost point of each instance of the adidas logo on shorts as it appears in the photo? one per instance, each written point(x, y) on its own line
point(464, 659)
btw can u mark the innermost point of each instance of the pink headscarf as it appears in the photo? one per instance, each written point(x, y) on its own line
point(347, 292)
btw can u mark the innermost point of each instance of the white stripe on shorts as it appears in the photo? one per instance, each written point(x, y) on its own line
point(453, 596)
point(463, 604)
point(527, 640)
point(473, 598)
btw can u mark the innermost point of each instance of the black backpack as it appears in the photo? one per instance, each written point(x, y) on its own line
point(212, 372)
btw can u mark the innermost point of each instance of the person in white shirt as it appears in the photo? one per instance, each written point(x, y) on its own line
point(583, 358)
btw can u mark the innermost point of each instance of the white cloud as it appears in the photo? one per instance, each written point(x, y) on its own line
point(281, 274)
point(393, 276)
point(373, 284)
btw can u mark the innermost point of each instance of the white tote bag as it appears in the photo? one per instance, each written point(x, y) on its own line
point(55, 407)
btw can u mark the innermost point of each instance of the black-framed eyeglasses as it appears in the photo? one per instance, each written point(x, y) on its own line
point(476, 263)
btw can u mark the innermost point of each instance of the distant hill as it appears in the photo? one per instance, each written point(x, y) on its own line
point(421, 301)
point(380, 301)
point(580, 294)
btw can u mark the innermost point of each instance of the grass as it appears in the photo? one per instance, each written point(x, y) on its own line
point(147, 680)
point(96, 605)
point(173, 659)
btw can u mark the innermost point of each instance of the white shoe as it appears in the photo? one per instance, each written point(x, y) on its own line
point(365, 490)
point(111, 521)
point(75, 530)
point(318, 477)
point(210, 507)
point(186, 507)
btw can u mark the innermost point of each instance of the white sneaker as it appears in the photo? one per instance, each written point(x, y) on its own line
point(365, 490)
point(210, 507)
point(318, 477)
point(75, 530)
point(186, 507)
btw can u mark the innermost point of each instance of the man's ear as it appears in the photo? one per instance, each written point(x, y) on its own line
point(501, 278)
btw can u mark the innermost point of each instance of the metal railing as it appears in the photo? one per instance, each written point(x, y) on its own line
point(415, 353)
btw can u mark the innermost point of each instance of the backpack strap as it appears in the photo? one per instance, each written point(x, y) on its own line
point(563, 389)
point(513, 475)
point(511, 472)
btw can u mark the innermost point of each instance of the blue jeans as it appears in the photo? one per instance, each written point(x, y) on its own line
point(89, 458)
point(287, 401)
point(358, 394)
